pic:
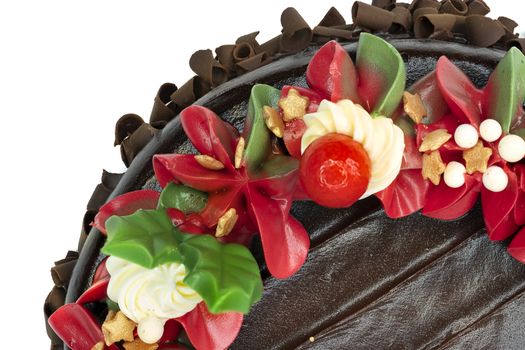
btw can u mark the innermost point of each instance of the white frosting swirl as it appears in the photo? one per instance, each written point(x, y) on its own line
point(143, 294)
point(382, 140)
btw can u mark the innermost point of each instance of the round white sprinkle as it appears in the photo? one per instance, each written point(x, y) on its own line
point(490, 130)
point(466, 136)
point(454, 175)
point(495, 179)
point(512, 148)
point(150, 330)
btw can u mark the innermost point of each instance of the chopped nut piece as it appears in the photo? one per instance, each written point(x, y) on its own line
point(226, 223)
point(432, 141)
point(273, 121)
point(117, 327)
point(239, 152)
point(209, 162)
point(414, 107)
point(98, 346)
point(138, 344)
point(294, 105)
point(311, 339)
point(433, 167)
point(477, 158)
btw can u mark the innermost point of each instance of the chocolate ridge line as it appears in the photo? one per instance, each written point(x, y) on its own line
point(397, 286)
point(394, 286)
point(466, 329)
point(141, 169)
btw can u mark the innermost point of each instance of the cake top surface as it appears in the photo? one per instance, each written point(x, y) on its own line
point(245, 164)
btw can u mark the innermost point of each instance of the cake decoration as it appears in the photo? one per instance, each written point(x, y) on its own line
point(177, 258)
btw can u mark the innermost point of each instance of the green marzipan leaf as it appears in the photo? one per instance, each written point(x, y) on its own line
point(145, 238)
point(184, 198)
point(256, 134)
point(225, 275)
point(506, 88)
point(378, 56)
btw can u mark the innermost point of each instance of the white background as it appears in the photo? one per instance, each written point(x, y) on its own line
point(68, 71)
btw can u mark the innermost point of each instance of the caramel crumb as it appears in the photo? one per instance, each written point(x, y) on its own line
point(273, 121)
point(433, 167)
point(98, 346)
point(117, 327)
point(209, 162)
point(138, 344)
point(226, 223)
point(432, 141)
point(311, 339)
point(477, 158)
point(294, 105)
point(239, 152)
point(414, 107)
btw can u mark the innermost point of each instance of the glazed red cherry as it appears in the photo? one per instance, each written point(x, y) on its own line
point(335, 171)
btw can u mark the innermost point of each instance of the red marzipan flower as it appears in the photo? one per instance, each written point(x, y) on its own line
point(503, 211)
point(266, 194)
point(332, 75)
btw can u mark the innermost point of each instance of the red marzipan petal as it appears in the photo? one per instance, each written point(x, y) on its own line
point(435, 105)
point(97, 292)
point(293, 133)
point(332, 73)
point(314, 97)
point(126, 204)
point(448, 203)
point(102, 272)
point(498, 209)
point(517, 247)
point(210, 134)
point(171, 331)
point(218, 203)
point(519, 209)
point(462, 97)
point(285, 241)
point(76, 326)
point(405, 195)
point(185, 169)
point(207, 331)
point(412, 158)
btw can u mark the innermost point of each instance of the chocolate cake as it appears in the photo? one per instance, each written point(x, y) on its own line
point(374, 277)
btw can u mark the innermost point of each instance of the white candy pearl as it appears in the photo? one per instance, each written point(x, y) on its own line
point(490, 130)
point(454, 175)
point(466, 136)
point(512, 148)
point(150, 330)
point(495, 179)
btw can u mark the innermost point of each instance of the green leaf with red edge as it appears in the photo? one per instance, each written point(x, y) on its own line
point(146, 238)
point(226, 276)
point(183, 198)
point(382, 75)
point(256, 134)
point(505, 90)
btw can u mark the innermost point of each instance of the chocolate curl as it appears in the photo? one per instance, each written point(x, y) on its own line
point(419, 4)
point(402, 21)
point(384, 4)
point(518, 43)
point(249, 39)
point(427, 25)
point(242, 51)
point(55, 299)
point(423, 11)
point(508, 25)
point(252, 63)
point(190, 92)
point(126, 125)
point(61, 272)
point(371, 17)
point(483, 31)
point(332, 33)
point(297, 34)
point(225, 57)
point(454, 7)
point(161, 110)
point(130, 147)
point(208, 68)
point(332, 18)
point(271, 47)
point(478, 7)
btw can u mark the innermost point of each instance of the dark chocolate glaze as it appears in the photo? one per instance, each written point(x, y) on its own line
point(369, 282)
